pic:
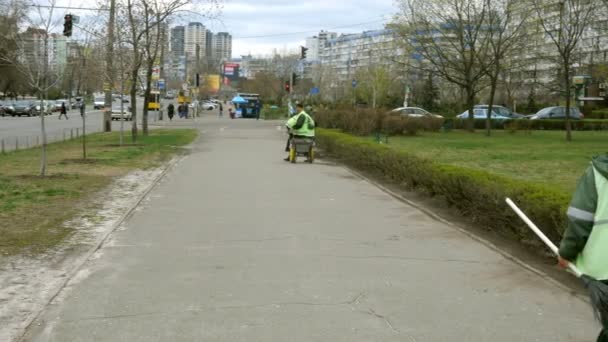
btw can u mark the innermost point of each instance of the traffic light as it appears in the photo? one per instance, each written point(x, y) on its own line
point(287, 86)
point(303, 52)
point(294, 76)
point(67, 25)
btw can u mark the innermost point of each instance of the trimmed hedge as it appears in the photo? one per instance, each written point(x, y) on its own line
point(478, 195)
point(525, 124)
point(367, 121)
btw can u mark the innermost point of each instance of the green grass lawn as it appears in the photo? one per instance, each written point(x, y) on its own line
point(542, 156)
point(33, 209)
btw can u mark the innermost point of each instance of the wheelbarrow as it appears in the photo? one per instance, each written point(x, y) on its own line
point(302, 147)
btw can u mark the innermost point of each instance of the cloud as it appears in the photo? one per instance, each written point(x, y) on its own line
point(259, 27)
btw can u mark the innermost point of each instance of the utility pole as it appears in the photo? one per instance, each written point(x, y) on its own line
point(109, 80)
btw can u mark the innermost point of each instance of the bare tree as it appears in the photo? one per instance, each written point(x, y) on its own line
point(450, 39)
point(565, 23)
point(506, 19)
point(32, 62)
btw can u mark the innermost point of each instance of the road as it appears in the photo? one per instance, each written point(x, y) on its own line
point(27, 129)
point(236, 245)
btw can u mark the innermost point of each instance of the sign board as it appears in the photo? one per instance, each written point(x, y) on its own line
point(185, 86)
point(161, 84)
point(354, 83)
point(106, 86)
point(156, 72)
point(314, 91)
point(579, 80)
point(155, 92)
point(75, 19)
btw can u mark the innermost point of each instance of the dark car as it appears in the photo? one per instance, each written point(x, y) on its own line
point(25, 107)
point(557, 113)
point(7, 108)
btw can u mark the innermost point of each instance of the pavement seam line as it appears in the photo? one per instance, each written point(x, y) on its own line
point(87, 256)
point(471, 235)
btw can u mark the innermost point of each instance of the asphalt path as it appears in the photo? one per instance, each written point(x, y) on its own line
point(234, 244)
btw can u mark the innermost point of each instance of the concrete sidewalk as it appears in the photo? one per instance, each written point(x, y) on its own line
point(237, 245)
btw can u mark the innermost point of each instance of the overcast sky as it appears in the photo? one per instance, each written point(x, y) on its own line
point(260, 26)
point(254, 18)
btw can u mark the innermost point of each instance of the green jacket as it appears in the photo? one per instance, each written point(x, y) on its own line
point(585, 240)
point(302, 125)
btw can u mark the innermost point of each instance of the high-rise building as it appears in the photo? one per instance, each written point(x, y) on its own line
point(222, 46)
point(177, 41)
point(209, 45)
point(316, 44)
point(195, 40)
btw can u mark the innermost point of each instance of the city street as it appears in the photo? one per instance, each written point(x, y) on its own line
point(236, 245)
point(27, 129)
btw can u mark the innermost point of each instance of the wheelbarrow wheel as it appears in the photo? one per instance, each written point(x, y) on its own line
point(311, 155)
point(292, 155)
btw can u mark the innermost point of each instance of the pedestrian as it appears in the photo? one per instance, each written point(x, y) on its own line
point(221, 110)
point(231, 112)
point(585, 241)
point(82, 108)
point(170, 111)
point(258, 108)
point(180, 110)
point(63, 111)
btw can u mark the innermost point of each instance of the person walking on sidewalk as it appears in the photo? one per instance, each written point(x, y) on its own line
point(221, 110)
point(170, 111)
point(63, 111)
point(585, 241)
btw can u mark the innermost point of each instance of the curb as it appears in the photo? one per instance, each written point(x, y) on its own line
point(471, 235)
point(86, 257)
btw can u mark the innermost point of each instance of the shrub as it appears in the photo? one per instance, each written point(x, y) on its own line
point(412, 125)
point(477, 194)
point(393, 125)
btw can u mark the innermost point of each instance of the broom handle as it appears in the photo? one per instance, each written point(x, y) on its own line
point(542, 236)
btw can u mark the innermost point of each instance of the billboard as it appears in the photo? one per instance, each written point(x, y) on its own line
point(230, 72)
point(212, 83)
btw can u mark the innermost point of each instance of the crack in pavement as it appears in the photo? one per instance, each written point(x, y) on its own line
point(388, 323)
point(216, 308)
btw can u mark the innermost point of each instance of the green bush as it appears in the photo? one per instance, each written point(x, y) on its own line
point(392, 125)
point(412, 125)
point(355, 121)
point(478, 195)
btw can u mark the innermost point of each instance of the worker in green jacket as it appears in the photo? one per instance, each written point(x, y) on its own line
point(300, 125)
point(585, 241)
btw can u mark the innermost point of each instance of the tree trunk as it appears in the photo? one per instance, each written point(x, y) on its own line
point(134, 105)
point(494, 82)
point(471, 108)
point(148, 91)
point(568, 94)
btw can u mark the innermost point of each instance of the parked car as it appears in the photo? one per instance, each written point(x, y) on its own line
point(7, 108)
point(557, 113)
point(118, 114)
point(48, 107)
point(479, 113)
point(415, 112)
point(501, 110)
point(59, 102)
point(209, 105)
point(25, 107)
point(99, 103)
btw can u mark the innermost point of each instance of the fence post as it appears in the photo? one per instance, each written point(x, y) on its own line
point(16, 143)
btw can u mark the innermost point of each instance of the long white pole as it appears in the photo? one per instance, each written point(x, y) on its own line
point(541, 235)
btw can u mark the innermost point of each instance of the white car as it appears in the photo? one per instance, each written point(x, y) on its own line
point(415, 112)
point(99, 103)
point(117, 114)
point(209, 105)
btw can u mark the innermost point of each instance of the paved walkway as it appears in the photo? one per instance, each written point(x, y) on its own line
point(237, 245)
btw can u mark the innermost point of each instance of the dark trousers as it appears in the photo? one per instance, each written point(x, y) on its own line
point(604, 333)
